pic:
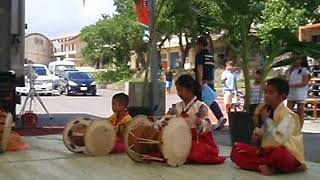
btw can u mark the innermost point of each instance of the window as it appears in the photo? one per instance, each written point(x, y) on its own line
point(41, 71)
point(79, 75)
point(316, 39)
point(72, 47)
point(163, 56)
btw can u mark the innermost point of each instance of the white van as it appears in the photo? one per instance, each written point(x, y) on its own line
point(44, 82)
point(58, 67)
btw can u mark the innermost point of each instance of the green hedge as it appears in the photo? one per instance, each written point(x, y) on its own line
point(111, 76)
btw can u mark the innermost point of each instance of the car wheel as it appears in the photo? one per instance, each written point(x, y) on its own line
point(60, 91)
point(68, 92)
point(94, 93)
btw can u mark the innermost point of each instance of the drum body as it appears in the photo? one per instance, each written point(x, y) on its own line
point(171, 144)
point(96, 138)
point(5, 129)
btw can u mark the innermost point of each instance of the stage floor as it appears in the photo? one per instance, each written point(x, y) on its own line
point(49, 159)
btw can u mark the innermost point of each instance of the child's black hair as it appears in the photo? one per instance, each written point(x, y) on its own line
point(259, 71)
point(186, 81)
point(203, 41)
point(280, 84)
point(122, 98)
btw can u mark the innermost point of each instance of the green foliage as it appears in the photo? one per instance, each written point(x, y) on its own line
point(287, 14)
point(112, 39)
point(111, 76)
point(269, 25)
point(289, 43)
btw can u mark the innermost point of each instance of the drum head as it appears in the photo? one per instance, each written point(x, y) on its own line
point(140, 127)
point(74, 132)
point(5, 129)
point(100, 138)
point(176, 141)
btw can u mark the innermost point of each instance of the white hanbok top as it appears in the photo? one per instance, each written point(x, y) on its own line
point(195, 109)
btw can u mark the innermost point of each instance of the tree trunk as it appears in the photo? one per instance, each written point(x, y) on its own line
point(184, 50)
point(96, 64)
point(160, 46)
point(181, 48)
point(245, 59)
point(140, 60)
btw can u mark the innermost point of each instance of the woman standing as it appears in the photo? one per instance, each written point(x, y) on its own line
point(299, 77)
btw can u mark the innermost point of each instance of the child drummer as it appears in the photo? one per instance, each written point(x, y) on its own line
point(198, 116)
point(280, 141)
point(119, 119)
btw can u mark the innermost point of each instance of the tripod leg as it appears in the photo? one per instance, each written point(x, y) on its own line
point(42, 104)
point(31, 99)
point(24, 105)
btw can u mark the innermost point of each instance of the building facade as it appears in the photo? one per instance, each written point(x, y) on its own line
point(171, 55)
point(68, 47)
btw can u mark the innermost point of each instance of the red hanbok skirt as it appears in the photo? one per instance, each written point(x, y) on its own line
point(251, 157)
point(204, 150)
point(119, 147)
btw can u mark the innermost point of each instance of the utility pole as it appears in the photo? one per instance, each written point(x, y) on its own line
point(5, 19)
point(154, 60)
point(11, 52)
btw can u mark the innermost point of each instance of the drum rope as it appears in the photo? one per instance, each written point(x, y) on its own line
point(143, 140)
point(143, 156)
point(147, 157)
point(77, 134)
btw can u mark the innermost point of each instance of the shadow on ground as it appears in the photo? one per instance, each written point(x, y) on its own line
point(54, 125)
point(60, 119)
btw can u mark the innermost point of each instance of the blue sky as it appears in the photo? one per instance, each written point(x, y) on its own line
point(57, 17)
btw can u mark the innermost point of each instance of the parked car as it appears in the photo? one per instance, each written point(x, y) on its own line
point(77, 82)
point(44, 83)
point(63, 81)
point(58, 67)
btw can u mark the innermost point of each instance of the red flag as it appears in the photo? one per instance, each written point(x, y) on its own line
point(142, 8)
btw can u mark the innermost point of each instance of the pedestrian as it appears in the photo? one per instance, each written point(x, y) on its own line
point(257, 96)
point(229, 78)
point(204, 70)
point(169, 80)
point(299, 77)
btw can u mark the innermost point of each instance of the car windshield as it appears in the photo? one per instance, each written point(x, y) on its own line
point(79, 75)
point(41, 71)
point(61, 68)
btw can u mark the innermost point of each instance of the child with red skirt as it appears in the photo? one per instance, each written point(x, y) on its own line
point(280, 142)
point(198, 116)
point(119, 119)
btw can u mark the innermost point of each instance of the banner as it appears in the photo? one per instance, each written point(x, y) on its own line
point(142, 8)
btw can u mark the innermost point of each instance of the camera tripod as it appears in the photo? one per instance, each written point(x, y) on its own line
point(31, 95)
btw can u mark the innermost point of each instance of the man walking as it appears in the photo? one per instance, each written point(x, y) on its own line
point(204, 69)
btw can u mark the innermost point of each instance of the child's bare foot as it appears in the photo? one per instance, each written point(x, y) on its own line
point(266, 170)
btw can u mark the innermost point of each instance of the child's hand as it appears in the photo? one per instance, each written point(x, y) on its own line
point(172, 110)
point(198, 121)
point(256, 139)
point(258, 152)
point(265, 113)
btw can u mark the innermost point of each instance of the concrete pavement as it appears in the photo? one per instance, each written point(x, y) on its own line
point(64, 108)
point(49, 159)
